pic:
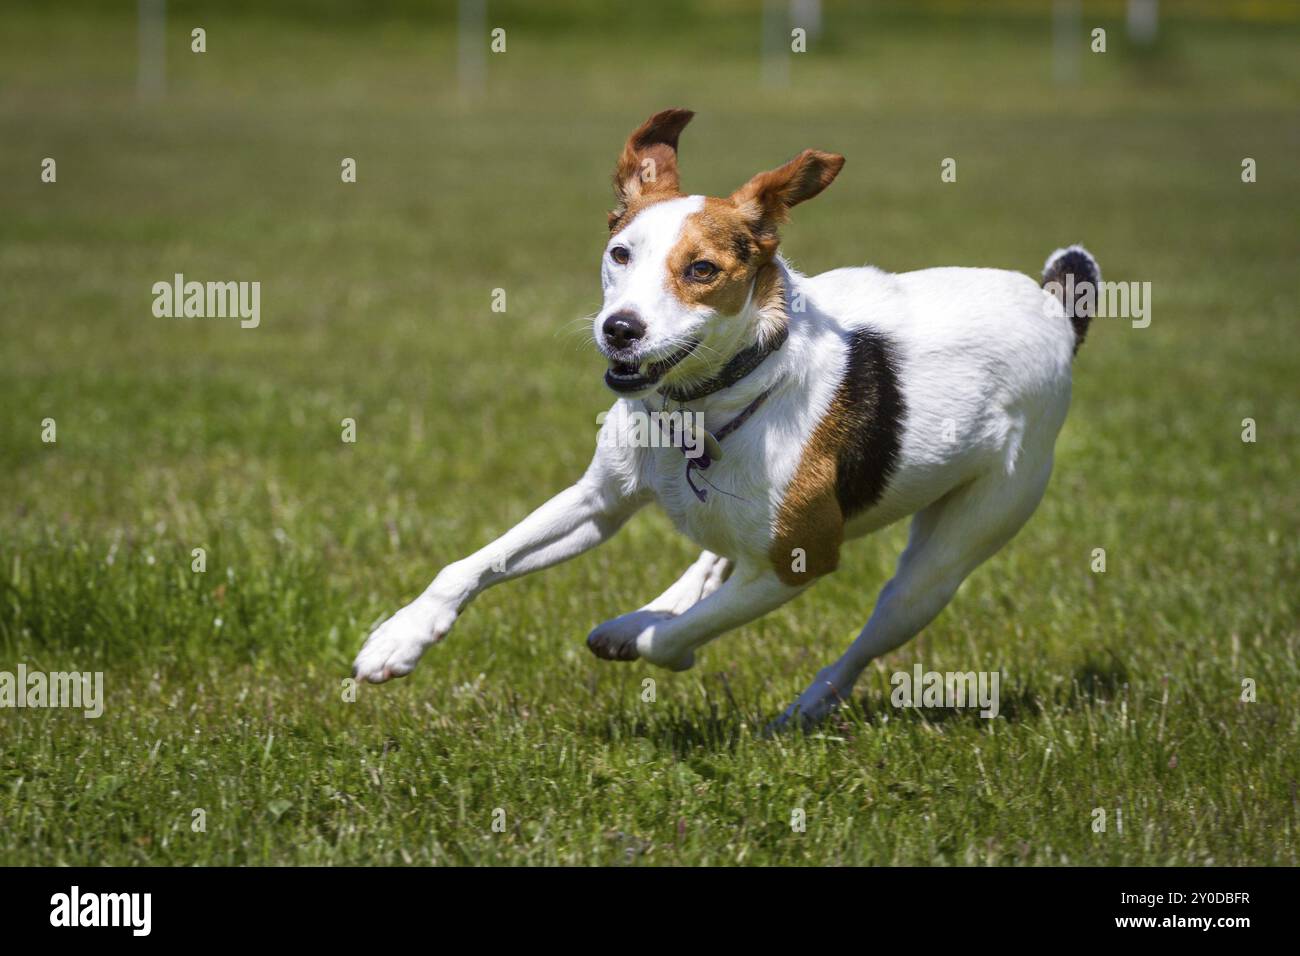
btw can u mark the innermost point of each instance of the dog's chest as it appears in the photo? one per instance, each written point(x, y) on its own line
point(725, 507)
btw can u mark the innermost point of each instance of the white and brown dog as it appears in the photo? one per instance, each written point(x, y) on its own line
point(832, 405)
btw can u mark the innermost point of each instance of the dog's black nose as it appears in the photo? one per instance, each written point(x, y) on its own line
point(622, 329)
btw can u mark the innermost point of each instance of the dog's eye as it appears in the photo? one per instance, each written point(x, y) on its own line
point(620, 255)
point(702, 270)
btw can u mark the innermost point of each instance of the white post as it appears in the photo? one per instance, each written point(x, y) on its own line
point(1143, 21)
point(776, 45)
point(473, 41)
point(151, 49)
point(807, 14)
point(1067, 19)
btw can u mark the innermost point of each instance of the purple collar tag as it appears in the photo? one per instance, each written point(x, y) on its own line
point(703, 462)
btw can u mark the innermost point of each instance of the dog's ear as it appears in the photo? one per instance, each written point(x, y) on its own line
point(649, 161)
point(765, 200)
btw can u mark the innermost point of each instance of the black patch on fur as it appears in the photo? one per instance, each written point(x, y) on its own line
point(740, 245)
point(1077, 264)
point(873, 405)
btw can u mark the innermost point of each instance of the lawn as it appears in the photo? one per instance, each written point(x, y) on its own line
point(225, 688)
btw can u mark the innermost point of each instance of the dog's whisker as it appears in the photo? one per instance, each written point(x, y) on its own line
point(582, 324)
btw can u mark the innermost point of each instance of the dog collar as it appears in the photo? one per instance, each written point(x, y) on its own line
point(713, 448)
point(740, 365)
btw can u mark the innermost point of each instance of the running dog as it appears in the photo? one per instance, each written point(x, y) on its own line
point(827, 407)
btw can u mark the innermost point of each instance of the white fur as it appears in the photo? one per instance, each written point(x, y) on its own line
point(639, 286)
point(984, 368)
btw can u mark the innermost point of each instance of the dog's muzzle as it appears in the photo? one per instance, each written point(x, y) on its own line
point(635, 375)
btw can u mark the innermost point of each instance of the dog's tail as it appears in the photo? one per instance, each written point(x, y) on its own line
point(1073, 276)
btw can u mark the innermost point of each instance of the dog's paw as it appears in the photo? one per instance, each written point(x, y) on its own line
point(615, 640)
point(632, 637)
point(394, 648)
point(814, 705)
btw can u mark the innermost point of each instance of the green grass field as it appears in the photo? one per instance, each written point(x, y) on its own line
point(224, 689)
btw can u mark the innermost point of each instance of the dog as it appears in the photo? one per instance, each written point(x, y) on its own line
point(826, 408)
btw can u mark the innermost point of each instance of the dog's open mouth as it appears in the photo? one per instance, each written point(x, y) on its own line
point(636, 376)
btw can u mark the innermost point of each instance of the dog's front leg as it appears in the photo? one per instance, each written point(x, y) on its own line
point(750, 592)
point(575, 520)
point(700, 580)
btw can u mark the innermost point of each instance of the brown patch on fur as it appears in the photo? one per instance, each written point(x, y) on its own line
point(767, 198)
point(719, 234)
point(722, 234)
point(810, 517)
point(847, 463)
point(646, 171)
point(739, 236)
point(770, 300)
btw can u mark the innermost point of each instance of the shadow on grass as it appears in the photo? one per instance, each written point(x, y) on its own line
point(718, 722)
point(714, 724)
point(1098, 680)
point(1014, 704)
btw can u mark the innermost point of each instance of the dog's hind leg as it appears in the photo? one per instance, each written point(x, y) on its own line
point(700, 580)
point(948, 540)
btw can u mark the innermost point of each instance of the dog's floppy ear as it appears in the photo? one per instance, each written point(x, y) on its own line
point(765, 200)
point(649, 161)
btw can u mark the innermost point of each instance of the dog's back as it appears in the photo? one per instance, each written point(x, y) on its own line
point(982, 361)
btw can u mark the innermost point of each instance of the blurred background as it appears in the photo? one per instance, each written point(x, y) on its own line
point(480, 170)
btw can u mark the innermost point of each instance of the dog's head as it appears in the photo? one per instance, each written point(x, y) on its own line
point(689, 281)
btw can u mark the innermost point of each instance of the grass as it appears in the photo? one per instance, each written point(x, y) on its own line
point(1120, 690)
